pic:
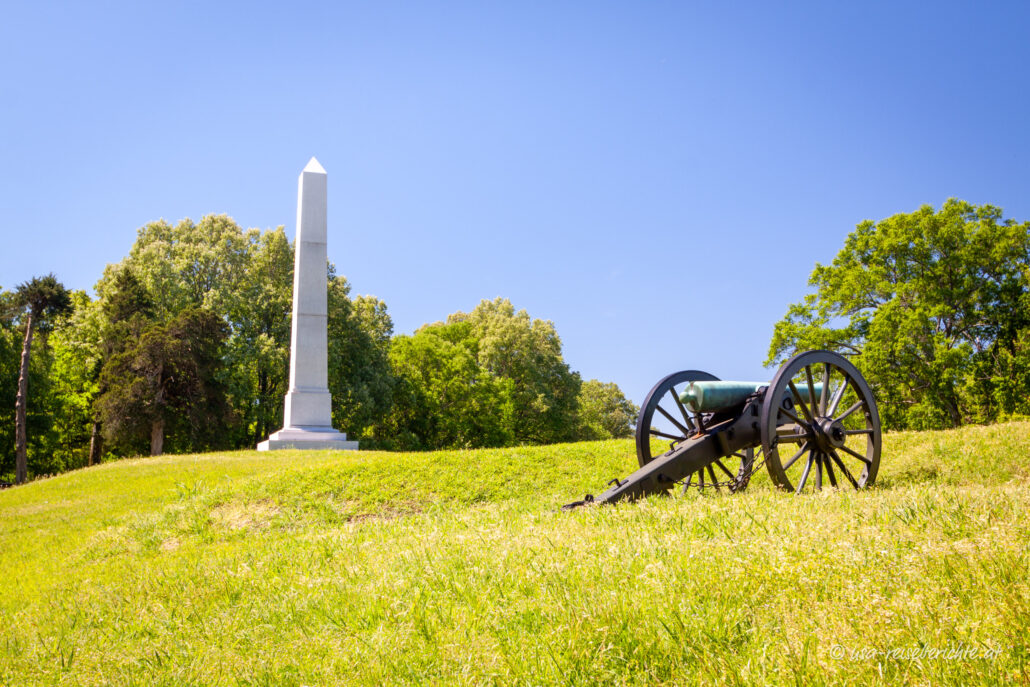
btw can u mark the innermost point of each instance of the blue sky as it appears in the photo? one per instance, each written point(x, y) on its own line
point(658, 179)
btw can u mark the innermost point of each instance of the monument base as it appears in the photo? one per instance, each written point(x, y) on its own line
point(308, 438)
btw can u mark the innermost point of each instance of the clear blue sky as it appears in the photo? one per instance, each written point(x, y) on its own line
point(657, 179)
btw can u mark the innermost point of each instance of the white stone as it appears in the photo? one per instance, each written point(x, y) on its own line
point(307, 422)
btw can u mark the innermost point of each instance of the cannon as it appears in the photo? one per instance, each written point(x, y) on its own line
point(816, 417)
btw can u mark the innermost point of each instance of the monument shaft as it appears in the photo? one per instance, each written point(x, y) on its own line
point(308, 402)
point(307, 419)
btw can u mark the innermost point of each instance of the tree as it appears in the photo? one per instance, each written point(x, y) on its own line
point(933, 308)
point(10, 346)
point(134, 368)
point(42, 300)
point(259, 349)
point(127, 309)
point(243, 277)
point(604, 412)
point(167, 379)
point(444, 399)
point(360, 379)
point(202, 265)
point(527, 353)
point(491, 377)
point(74, 376)
point(246, 278)
point(125, 300)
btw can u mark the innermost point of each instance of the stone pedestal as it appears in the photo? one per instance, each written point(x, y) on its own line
point(308, 417)
point(307, 438)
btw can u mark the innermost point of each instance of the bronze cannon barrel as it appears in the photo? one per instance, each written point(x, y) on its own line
point(707, 397)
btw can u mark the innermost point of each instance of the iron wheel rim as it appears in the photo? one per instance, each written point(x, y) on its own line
point(684, 423)
point(822, 421)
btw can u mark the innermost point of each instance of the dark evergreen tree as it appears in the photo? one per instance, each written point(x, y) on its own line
point(167, 379)
point(41, 299)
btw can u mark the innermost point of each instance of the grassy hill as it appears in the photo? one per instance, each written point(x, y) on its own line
point(293, 568)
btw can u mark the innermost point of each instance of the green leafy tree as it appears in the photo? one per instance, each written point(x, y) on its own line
point(10, 344)
point(444, 399)
point(604, 412)
point(360, 377)
point(42, 300)
point(933, 307)
point(74, 377)
point(192, 265)
point(527, 354)
point(491, 377)
point(259, 349)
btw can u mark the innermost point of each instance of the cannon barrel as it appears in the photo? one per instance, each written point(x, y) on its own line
point(708, 397)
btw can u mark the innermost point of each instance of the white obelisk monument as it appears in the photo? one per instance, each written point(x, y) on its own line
point(308, 421)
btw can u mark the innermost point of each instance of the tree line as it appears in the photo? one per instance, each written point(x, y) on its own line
point(185, 347)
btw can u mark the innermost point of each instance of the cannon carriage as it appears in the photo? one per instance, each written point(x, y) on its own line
point(815, 422)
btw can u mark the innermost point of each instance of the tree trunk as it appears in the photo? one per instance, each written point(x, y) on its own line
point(157, 425)
point(157, 436)
point(953, 411)
point(261, 426)
point(21, 460)
point(95, 444)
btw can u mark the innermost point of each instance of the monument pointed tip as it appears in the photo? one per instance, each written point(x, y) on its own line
point(314, 166)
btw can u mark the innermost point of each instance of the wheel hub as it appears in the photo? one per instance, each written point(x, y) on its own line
point(829, 433)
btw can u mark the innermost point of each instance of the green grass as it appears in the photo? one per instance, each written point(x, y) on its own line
point(294, 568)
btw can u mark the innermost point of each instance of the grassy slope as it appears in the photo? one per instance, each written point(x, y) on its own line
point(453, 567)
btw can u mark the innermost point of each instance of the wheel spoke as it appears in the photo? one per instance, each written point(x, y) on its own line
point(800, 402)
point(656, 433)
point(811, 389)
point(683, 410)
point(804, 475)
point(857, 455)
point(670, 418)
point(829, 469)
point(837, 396)
point(725, 469)
point(843, 468)
point(818, 472)
point(804, 447)
point(711, 473)
point(686, 485)
point(858, 404)
point(701, 478)
point(792, 438)
point(792, 416)
point(826, 389)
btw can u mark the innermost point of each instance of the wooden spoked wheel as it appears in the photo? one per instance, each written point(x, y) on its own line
point(812, 434)
point(664, 422)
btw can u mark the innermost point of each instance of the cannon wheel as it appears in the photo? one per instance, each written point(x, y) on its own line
point(664, 400)
point(838, 433)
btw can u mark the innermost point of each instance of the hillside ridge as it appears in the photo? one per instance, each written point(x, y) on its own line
point(456, 567)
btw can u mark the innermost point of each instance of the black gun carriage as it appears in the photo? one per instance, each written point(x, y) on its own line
point(815, 422)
